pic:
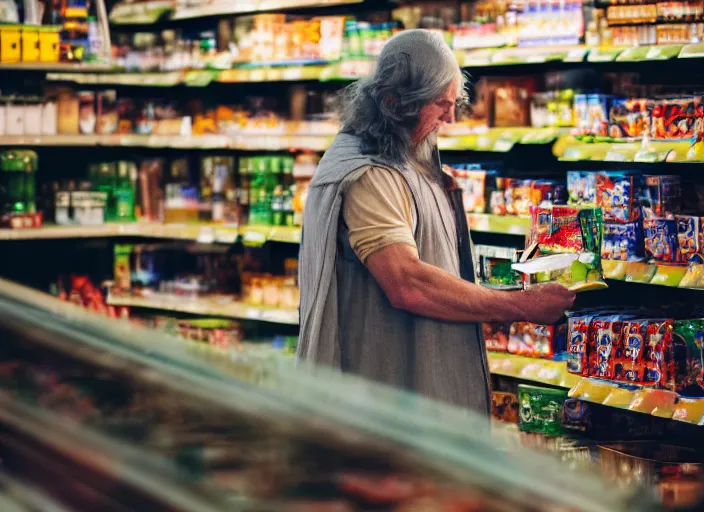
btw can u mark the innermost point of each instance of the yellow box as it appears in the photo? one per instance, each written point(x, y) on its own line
point(30, 44)
point(49, 44)
point(10, 43)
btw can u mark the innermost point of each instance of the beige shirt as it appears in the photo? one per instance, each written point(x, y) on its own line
point(378, 210)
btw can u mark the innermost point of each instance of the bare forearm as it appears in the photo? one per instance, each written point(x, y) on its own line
point(432, 292)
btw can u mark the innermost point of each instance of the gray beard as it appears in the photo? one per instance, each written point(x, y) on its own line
point(424, 152)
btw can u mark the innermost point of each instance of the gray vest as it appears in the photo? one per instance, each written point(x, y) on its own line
point(346, 320)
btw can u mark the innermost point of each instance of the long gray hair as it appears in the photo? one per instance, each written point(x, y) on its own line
point(415, 68)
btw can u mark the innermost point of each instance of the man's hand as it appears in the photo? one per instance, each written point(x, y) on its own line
point(546, 303)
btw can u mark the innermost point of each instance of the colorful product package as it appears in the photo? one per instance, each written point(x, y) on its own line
point(675, 118)
point(604, 339)
point(504, 406)
point(576, 415)
point(581, 187)
point(659, 356)
point(662, 196)
point(629, 117)
point(688, 237)
point(568, 229)
point(688, 346)
point(618, 194)
point(629, 353)
point(623, 242)
point(534, 340)
point(496, 336)
point(540, 409)
point(578, 344)
point(661, 239)
point(477, 184)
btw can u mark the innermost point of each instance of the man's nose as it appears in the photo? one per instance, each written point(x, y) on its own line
point(449, 117)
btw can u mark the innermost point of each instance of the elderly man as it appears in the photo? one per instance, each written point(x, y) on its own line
point(386, 271)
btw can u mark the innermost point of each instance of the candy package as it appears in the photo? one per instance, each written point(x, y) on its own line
point(581, 187)
point(496, 336)
point(629, 117)
point(675, 118)
point(477, 185)
point(504, 406)
point(578, 344)
point(662, 196)
point(688, 237)
point(661, 239)
point(540, 409)
point(659, 356)
point(556, 229)
point(629, 352)
point(604, 338)
point(623, 242)
point(618, 194)
point(533, 340)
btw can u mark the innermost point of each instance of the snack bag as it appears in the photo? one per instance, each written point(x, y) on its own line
point(581, 187)
point(578, 344)
point(659, 356)
point(618, 194)
point(504, 406)
point(661, 239)
point(629, 352)
point(688, 236)
point(688, 347)
point(623, 242)
point(496, 336)
point(540, 409)
point(604, 338)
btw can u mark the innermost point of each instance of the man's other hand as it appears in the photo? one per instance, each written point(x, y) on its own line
point(546, 303)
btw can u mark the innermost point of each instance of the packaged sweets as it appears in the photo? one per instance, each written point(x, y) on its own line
point(659, 356)
point(629, 363)
point(581, 187)
point(496, 336)
point(604, 337)
point(540, 409)
point(557, 229)
point(534, 340)
point(623, 242)
point(688, 236)
point(629, 117)
point(661, 239)
point(504, 406)
point(578, 344)
point(576, 415)
point(675, 118)
point(663, 196)
point(688, 347)
point(618, 194)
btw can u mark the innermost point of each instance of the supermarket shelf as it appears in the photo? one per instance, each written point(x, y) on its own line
point(661, 274)
point(351, 69)
point(569, 149)
point(495, 139)
point(73, 67)
point(656, 402)
point(252, 235)
point(149, 12)
point(501, 224)
point(543, 371)
point(222, 306)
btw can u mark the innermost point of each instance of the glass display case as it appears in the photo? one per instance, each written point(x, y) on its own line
point(98, 414)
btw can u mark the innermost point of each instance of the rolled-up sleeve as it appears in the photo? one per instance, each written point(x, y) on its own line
point(378, 210)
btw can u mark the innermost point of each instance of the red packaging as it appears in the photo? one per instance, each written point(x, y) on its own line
point(629, 354)
point(496, 336)
point(604, 339)
point(659, 357)
point(556, 229)
point(578, 345)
